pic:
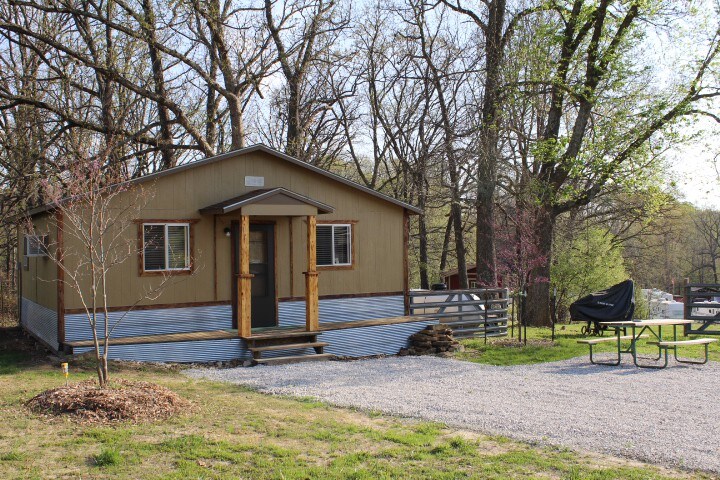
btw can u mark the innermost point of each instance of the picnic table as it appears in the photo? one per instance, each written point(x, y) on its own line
point(644, 329)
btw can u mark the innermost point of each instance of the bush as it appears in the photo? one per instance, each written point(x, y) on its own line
point(642, 308)
point(108, 457)
point(585, 264)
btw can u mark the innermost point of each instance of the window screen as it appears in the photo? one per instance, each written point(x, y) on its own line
point(324, 245)
point(154, 247)
point(334, 245)
point(166, 247)
point(341, 242)
point(35, 245)
point(177, 246)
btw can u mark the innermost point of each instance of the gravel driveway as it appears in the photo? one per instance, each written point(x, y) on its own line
point(669, 416)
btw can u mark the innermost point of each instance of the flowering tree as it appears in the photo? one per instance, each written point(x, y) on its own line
point(519, 256)
point(93, 208)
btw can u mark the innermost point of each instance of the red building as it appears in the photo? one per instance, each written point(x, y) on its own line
point(452, 279)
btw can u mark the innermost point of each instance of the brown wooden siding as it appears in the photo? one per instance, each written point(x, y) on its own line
point(39, 281)
point(377, 236)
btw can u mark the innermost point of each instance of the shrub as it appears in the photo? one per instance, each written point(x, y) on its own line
point(108, 457)
point(585, 264)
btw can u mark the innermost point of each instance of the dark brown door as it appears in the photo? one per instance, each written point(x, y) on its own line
point(262, 266)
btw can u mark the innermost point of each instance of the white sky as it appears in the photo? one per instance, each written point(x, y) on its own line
point(691, 165)
point(694, 168)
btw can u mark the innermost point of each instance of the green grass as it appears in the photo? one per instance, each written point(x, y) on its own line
point(233, 432)
point(541, 349)
point(108, 457)
point(10, 362)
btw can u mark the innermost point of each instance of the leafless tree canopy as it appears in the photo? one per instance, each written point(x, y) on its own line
point(477, 111)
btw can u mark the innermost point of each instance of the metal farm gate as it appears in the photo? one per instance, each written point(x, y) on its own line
point(702, 305)
point(480, 312)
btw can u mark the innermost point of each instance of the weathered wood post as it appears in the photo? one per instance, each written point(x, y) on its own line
point(244, 278)
point(311, 278)
point(406, 261)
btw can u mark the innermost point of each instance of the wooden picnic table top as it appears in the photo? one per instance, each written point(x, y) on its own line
point(659, 322)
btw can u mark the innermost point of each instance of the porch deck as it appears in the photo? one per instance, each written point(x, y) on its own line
point(233, 333)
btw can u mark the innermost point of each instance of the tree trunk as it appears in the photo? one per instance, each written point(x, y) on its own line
point(422, 230)
point(446, 245)
point(536, 311)
point(293, 147)
point(237, 135)
point(211, 107)
point(460, 251)
point(165, 140)
point(486, 258)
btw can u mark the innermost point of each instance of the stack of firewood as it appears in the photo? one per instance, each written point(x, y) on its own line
point(432, 340)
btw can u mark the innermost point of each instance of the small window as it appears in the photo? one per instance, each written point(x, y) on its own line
point(36, 245)
point(334, 245)
point(166, 246)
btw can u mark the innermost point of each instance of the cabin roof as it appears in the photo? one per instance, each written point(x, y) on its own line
point(277, 195)
point(258, 148)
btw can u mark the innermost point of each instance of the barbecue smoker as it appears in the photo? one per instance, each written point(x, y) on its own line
point(615, 304)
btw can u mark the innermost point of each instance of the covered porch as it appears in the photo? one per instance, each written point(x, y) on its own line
point(253, 260)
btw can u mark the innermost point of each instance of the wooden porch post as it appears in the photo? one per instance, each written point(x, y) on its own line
point(244, 278)
point(406, 261)
point(311, 278)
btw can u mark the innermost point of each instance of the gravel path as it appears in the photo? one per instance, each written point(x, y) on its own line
point(669, 417)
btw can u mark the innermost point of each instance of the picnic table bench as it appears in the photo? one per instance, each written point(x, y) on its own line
point(594, 341)
point(647, 326)
point(665, 346)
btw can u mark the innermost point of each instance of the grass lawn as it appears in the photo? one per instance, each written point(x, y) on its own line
point(233, 432)
point(540, 348)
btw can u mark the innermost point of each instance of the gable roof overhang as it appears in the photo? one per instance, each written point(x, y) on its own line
point(270, 201)
point(256, 148)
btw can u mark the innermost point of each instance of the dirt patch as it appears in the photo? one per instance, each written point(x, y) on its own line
point(12, 339)
point(123, 400)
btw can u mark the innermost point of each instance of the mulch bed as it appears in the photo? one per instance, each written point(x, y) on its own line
point(121, 401)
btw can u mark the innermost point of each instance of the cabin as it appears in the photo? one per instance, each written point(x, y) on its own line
point(451, 278)
point(269, 258)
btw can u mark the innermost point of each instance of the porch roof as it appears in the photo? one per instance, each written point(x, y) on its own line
point(275, 197)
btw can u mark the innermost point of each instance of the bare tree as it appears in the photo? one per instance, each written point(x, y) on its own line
point(93, 212)
point(490, 17)
point(707, 223)
point(304, 32)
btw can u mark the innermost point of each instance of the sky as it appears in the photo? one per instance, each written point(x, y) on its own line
point(694, 166)
point(696, 169)
point(702, 190)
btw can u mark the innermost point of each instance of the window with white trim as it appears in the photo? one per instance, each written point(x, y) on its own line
point(334, 245)
point(166, 246)
point(36, 245)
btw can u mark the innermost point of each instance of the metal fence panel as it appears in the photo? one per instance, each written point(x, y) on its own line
point(470, 313)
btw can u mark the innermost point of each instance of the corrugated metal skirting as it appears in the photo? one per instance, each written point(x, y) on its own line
point(218, 317)
point(292, 314)
point(180, 352)
point(377, 340)
point(351, 342)
point(41, 321)
point(153, 322)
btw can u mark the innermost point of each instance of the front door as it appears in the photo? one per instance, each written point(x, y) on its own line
point(262, 266)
